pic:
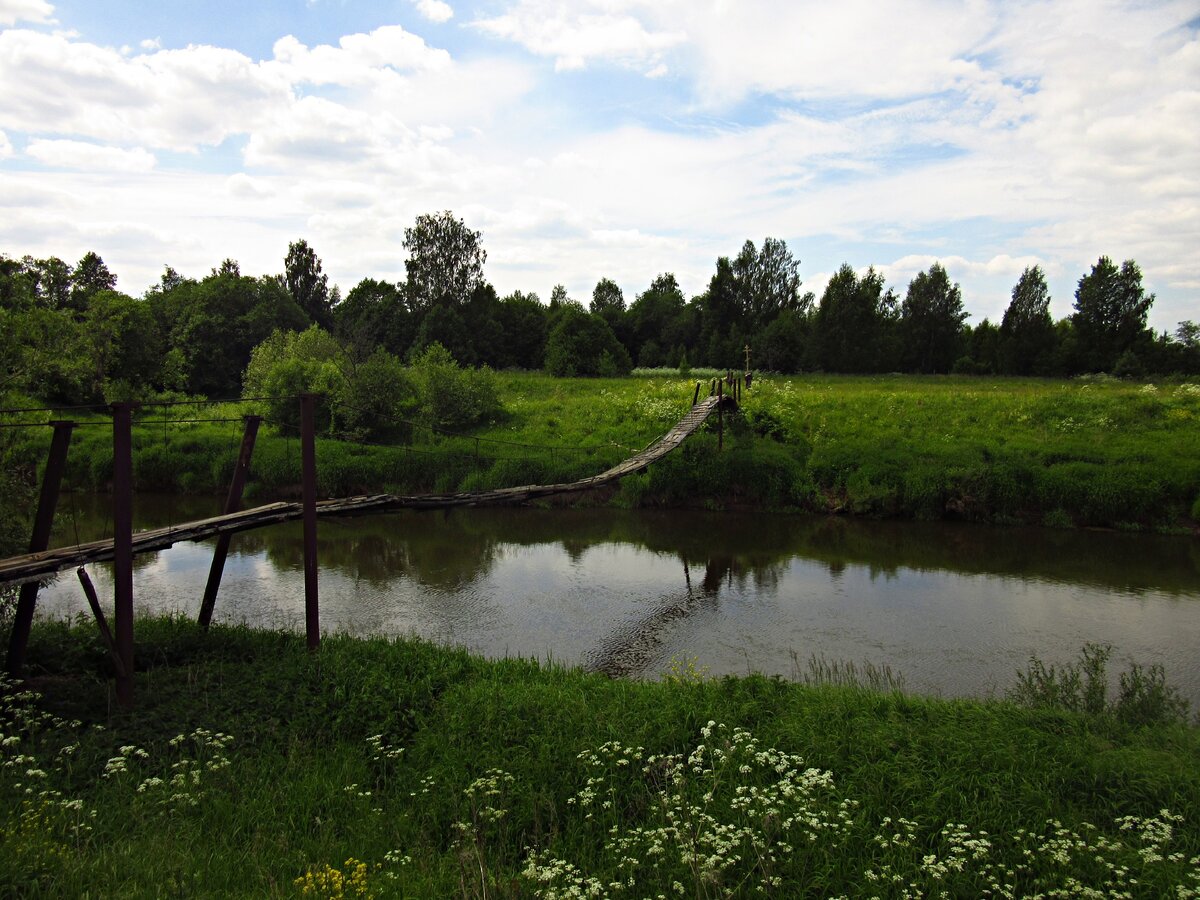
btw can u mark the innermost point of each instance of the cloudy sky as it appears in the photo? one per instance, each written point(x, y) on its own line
point(617, 138)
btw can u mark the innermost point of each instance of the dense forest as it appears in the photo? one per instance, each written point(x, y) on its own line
point(66, 334)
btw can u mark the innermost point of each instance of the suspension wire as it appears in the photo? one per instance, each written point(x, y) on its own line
point(104, 407)
point(214, 402)
point(44, 424)
point(25, 409)
point(180, 421)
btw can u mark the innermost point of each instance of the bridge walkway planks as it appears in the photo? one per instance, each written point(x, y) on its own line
point(31, 566)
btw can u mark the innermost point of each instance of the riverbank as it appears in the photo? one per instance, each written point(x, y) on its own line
point(1098, 453)
point(397, 768)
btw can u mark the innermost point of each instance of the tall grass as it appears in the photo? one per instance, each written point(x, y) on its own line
point(392, 768)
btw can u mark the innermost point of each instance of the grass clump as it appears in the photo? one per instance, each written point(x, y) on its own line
point(1143, 697)
point(394, 768)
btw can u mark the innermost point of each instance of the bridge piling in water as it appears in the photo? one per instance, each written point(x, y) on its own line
point(233, 502)
point(308, 466)
point(56, 463)
point(123, 547)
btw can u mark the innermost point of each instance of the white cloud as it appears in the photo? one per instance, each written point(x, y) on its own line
point(14, 11)
point(359, 59)
point(435, 11)
point(242, 185)
point(593, 31)
point(175, 99)
point(151, 44)
point(90, 157)
point(6, 149)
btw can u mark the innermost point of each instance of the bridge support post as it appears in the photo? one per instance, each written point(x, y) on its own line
point(233, 503)
point(56, 463)
point(308, 467)
point(720, 416)
point(123, 547)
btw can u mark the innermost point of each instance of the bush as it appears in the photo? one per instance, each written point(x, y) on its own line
point(451, 396)
point(584, 344)
point(1143, 698)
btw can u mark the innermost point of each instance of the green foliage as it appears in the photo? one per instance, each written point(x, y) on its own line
point(1110, 313)
point(445, 261)
point(395, 768)
point(1144, 696)
point(931, 320)
point(583, 344)
point(451, 396)
point(306, 283)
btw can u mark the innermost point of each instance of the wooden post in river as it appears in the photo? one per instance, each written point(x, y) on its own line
point(123, 547)
point(56, 463)
point(233, 502)
point(308, 474)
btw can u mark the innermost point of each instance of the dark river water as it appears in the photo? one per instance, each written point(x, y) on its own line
point(953, 609)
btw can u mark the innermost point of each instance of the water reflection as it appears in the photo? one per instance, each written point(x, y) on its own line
point(955, 608)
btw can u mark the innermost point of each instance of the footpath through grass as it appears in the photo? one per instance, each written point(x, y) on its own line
point(1081, 452)
point(394, 768)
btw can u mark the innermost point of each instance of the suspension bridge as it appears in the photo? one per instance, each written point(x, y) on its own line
point(37, 565)
point(42, 561)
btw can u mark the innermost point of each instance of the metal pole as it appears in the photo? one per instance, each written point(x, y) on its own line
point(233, 503)
point(123, 547)
point(56, 462)
point(308, 466)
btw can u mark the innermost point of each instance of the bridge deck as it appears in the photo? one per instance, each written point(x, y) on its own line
point(31, 566)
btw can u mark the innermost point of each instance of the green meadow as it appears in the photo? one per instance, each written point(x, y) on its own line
point(1097, 452)
point(395, 768)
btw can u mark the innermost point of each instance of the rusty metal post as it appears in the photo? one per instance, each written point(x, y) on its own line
point(56, 463)
point(89, 591)
point(308, 468)
point(233, 503)
point(123, 547)
point(720, 416)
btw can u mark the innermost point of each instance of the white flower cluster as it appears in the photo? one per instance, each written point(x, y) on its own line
point(727, 814)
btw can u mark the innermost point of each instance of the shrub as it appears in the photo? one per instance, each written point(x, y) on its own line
point(1143, 698)
point(451, 396)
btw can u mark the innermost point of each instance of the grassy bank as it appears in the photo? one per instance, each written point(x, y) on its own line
point(1085, 453)
point(399, 769)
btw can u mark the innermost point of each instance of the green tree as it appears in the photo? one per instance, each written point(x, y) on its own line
point(768, 282)
point(307, 284)
point(1027, 329)
point(444, 326)
point(1110, 313)
point(445, 261)
point(582, 344)
point(90, 277)
point(658, 315)
point(850, 322)
point(375, 314)
point(931, 320)
point(608, 301)
point(525, 322)
point(212, 325)
point(127, 346)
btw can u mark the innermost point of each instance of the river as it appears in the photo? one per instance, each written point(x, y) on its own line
point(953, 609)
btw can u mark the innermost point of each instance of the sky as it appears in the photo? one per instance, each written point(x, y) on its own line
point(611, 138)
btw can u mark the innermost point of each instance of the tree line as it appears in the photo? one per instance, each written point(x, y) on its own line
point(66, 334)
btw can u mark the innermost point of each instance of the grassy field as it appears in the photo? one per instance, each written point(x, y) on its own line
point(1085, 453)
point(398, 769)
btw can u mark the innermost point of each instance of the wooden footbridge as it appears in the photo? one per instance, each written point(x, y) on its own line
point(41, 562)
point(33, 566)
